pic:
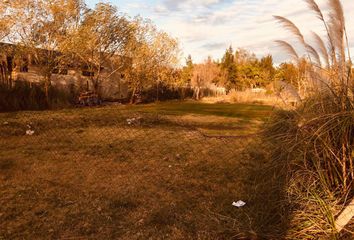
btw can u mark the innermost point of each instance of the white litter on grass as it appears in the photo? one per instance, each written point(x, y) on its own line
point(130, 120)
point(29, 132)
point(134, 120)
point(239, 204)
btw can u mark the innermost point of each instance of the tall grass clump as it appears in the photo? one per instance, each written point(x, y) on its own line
point(27, 96)
point(318, 135)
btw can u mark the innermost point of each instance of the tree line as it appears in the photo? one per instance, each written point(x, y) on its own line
point(62, 33)
point(241, 70)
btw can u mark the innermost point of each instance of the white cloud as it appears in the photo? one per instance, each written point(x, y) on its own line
point(182, 5)
point(248, 24)
point(207, 27)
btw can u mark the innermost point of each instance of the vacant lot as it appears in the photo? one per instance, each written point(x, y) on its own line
point(159, 171)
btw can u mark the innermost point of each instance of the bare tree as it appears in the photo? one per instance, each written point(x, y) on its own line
point(204, 75)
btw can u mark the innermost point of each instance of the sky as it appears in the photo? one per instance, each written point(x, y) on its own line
point(207, 27)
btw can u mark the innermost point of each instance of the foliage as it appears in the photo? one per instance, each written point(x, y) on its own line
point(229, 69)
point(317, 136)
point(204, 75)
point(40, 27)
point(65, 33)
point(266, 71)
point(153, 54)
point(99, 42)
point(288, 72)
point(26, 96)
point(187, 72)
point(240, 70)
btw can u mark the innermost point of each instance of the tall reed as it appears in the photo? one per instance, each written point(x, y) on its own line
point(319, 134)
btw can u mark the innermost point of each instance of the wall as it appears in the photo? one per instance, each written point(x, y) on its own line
point(112, 87)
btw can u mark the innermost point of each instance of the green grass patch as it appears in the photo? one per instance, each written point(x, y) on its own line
point(243, 111)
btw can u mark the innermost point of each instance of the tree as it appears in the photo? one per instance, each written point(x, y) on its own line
point(243, 56)
point(186, 76)
point(141, 72)
point(204, 75)
point(248, 75)
point(248, 68)
point(153, 54)
point(165, 55)
point(100, 43)
point(228, 66)
point(40, 26)
point(289, 73)
point(267, 71)
point(6, 21)
point(187, 72)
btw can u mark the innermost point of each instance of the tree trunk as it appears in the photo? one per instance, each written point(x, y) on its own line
point(157, 92)
point(47, 84)
point(182, 92)
point(197, 94)
point(2, 75)
point(95, 84)
point(133, 95)
point(8, 68)
point(46, 90)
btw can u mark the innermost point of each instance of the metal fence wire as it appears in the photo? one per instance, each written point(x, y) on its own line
point(85, 164)
point(119, 135)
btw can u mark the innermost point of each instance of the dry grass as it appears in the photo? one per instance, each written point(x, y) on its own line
point(318, 135)
point(87, 174)
point(260, 98)
point(299, 145)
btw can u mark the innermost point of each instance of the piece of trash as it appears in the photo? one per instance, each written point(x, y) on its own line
point(29, 132)
point(134, 120)
point(6, 123)
point(239, 204)
point(130, 120)
point(169, 166)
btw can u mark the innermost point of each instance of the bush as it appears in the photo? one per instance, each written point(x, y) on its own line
point(316, 143)
point(27, 96)
point(254, 97)
point(163, 93)
point(318, 136)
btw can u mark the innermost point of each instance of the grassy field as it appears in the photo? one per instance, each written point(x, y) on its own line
point(158, 171)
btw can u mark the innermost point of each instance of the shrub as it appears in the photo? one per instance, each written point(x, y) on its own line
point(27, 96)
point(318, 136)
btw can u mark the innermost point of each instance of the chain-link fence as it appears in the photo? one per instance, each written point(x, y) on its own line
point(105, 172)
point(116, 133)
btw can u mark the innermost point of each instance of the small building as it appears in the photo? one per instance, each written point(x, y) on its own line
point(13, 67)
